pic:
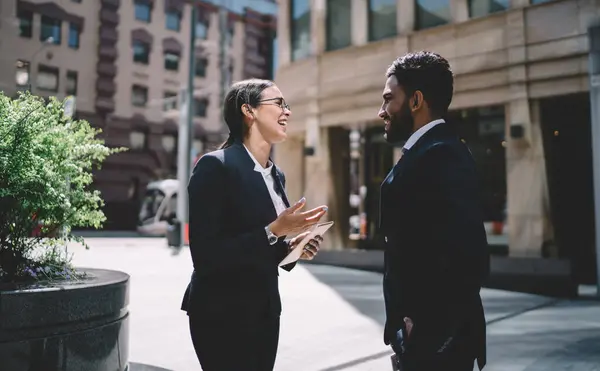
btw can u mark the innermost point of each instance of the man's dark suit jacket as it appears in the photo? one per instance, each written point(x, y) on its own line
point(235, 267)
point(436, 254)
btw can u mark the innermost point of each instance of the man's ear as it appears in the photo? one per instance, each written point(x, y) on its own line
point(417, 100)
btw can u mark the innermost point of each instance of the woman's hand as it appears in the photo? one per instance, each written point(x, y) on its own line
point(312, 247)
point(291, 221)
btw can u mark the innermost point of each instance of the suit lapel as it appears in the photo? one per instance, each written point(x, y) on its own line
point(279, 185)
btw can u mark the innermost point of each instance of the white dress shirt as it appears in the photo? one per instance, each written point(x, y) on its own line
point(269, 181)
point(419, 133)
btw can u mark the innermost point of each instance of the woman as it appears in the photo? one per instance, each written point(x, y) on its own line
point(239, 220)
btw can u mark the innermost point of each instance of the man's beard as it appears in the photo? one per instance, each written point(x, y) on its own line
point(401, 125)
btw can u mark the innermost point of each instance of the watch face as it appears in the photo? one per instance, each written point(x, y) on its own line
point(272, 239)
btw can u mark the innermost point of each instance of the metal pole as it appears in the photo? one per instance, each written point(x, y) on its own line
point(594, 73)
point(223, 47)
point(186, 126)
point(182, 170)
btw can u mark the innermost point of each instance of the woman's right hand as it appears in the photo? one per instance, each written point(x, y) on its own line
point(291, 221)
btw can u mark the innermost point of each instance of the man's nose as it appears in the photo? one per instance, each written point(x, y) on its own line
point(382, 113)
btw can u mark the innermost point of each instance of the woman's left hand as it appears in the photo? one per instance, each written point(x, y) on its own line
point(310, 249)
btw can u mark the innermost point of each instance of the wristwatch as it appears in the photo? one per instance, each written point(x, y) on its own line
point(271, 236)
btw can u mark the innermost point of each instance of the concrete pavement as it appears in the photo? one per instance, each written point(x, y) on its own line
point(332, 317)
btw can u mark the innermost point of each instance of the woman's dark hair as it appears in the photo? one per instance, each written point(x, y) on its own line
point(242, 92)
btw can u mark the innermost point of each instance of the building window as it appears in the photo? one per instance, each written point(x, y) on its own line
point(71, 83)
point(173, 20)
point(201, 64)
point(25, 23)
point(143, 11)
point(202, 29)
point(200, 107)
point(22, 74)
point(47, 78)
point(339, 24)
point(481, 8)
point(300, 29)
point(539, 1)
point(50, 29)
point(137, 139)
point(139, 95)
point(170, 101)
point(483, 130)
point(74, 32)
point(76, 1)
point(382, 19)
point(432, 13)
point(171, 61)
point(141, 52)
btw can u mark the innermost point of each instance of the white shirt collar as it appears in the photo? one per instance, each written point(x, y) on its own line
point(257, 166)
point(419, 133)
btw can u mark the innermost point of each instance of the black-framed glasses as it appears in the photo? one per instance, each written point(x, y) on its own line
point(279, 102)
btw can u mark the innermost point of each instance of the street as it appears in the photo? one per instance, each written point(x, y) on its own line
point(333, 317)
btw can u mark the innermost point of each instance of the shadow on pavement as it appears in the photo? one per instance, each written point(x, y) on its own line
point(362, 290)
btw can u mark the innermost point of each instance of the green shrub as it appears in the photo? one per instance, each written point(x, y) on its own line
point(46, 161)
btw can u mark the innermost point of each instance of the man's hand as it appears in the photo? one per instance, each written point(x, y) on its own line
point(312, 247)
point(409, 325)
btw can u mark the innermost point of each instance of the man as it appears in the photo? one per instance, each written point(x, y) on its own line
point(436, 254)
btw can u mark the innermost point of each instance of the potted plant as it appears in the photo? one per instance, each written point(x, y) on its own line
point(46, 160)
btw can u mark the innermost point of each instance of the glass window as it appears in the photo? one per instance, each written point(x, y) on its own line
point(200, 106)
point(25, 23)
point(481, 8)
point(300, 29)
point(170, 101)
point(47, 78)
point(141, 52)
point(382, 19)
point(201, 64)
point(74, 36)
point(483, 130)
point(202, 29)
point(139, 95)
point(71, 88)
point(142, 11)
point(50, 29)
point(171, 61)
point(173, 20)
point(339, 24)
point(432, 13)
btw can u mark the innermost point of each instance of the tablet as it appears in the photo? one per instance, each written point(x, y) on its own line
point(296, 253)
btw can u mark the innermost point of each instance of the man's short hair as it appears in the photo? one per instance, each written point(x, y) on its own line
point(428, 72)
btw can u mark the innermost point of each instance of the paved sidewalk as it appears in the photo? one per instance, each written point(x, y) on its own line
point(332, 317)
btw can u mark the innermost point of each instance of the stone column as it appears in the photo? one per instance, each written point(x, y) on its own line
point(284, 53)
point(318, 186)
point(525, 163)
point(289, 158)
point(528, 212)
point(318, 29)
point(360, 22)
point(519, 3)
point(405, 16)
point(459, 10)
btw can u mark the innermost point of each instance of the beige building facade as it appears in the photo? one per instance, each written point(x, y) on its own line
point(521, 102)
point(125, 61)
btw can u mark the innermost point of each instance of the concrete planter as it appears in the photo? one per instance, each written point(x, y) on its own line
point(66, 326)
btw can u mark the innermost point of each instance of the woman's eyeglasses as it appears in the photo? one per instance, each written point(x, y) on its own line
point(279, 102)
